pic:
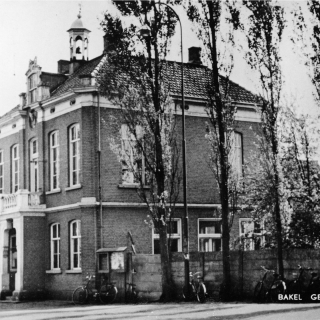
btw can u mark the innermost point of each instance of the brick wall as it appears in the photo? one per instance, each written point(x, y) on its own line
point(245, 270)
point(34, 254)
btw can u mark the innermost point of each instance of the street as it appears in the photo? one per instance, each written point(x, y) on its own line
point(49, 310)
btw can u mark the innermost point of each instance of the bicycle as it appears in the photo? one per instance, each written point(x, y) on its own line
point(131, 293)
point(197, 289)
point(302, 286)
point(107, 294)
point(264, 292)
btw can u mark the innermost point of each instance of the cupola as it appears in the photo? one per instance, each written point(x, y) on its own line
point(79, 40)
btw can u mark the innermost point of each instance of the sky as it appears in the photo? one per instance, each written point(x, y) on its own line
point(32, 29)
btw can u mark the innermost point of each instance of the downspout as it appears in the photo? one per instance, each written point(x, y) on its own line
point(99, 169)
point(43, 156)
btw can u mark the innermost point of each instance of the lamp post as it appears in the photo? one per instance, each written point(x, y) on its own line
point(145, 32)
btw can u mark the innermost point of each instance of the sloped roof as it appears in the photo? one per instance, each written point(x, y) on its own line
point(7, 114)
point(195, 85)
point(196, 81)
point(197, 78)
point(73, 80)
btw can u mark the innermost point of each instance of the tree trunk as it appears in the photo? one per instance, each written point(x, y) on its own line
point(167, 283)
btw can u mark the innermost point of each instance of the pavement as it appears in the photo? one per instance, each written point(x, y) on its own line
point(52, 310)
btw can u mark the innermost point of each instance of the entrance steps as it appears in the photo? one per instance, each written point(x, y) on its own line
point(9, 299)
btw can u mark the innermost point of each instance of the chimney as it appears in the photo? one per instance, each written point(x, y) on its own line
point(63, 66)
point(195, 55)
point(23, 99)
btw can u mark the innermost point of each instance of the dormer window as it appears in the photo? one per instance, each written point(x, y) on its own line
point(32, 88)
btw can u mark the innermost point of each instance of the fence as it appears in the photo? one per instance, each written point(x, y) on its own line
point(245, 269)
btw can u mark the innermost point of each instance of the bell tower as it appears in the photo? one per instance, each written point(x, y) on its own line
point(79, 43)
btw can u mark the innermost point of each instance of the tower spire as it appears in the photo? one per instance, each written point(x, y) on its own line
point(79, 15)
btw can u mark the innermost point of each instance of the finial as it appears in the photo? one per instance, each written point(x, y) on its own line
point(79, 15)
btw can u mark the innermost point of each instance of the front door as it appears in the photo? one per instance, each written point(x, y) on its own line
point(12, 259)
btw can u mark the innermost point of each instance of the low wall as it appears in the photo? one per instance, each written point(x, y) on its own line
point(245, 269)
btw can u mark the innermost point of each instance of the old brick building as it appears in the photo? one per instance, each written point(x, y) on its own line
point(49, 209)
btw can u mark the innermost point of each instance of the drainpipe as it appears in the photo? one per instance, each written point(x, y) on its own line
point(99, 168)
point(43, 156)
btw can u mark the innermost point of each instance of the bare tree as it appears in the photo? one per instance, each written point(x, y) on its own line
point(264, 33)
point(207, 17)
point(133, 78)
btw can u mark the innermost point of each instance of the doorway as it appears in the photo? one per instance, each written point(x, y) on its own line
point(12, 267)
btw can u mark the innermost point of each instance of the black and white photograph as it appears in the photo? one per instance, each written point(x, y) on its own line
point(160, 159)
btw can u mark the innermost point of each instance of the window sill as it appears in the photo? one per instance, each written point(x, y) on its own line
point(54, 271)
point(53, 191)
point(74, 271)
point(76, 186)
point(131, 186)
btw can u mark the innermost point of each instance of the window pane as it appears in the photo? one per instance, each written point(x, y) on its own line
point(55, 185)
point(74, 228)
point(156, 246)
point(53, 139)
point(58, 227)
point(73, 135)
point(55, 261)
point(75, 245)
point(75, 261)
point(54, 231)
point(210, 226)
point(174, 245)
point(209, 244)
point(173, 227)
point(55, 246)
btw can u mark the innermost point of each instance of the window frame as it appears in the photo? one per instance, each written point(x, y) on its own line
point(14, 179)
point(236, 154)
point(32, 87)
point(34, 165)
point(127, 136)
point(72, 239)
point(57, 161)
point(209, 235)
point(255, 234)
point(52, 250)
point(1, 172)
point(178, 235)
point(77, 156)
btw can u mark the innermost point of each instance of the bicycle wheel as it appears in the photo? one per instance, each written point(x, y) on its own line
point(132, 296)
point(258, 293)
point(80, 295)
point(190, 295)
point(202, 293)
point(108, 294)
point(276, 289)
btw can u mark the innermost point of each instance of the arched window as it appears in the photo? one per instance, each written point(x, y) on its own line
point(32, 87)
point(54, 160)
point(15, 168)
point(75, 244)
point(55, 246)
point(74, 155)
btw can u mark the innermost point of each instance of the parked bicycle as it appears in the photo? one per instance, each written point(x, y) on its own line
point(107, 293)
point(306, 284)
point(268, 290)
point(197, 289)
point(131, 293)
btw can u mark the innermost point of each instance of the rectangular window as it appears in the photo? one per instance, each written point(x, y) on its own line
point(54, 160)
point(32, 87)
point(55, 246)
point(236, 154)
point(251, 234)
point(15, 168)
point(13, 253)
point(209, 234)
point(75, 244)
point(1, 172)
point(133, 166)
point(34, 166)
point(74, 154)
point(174, 232)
